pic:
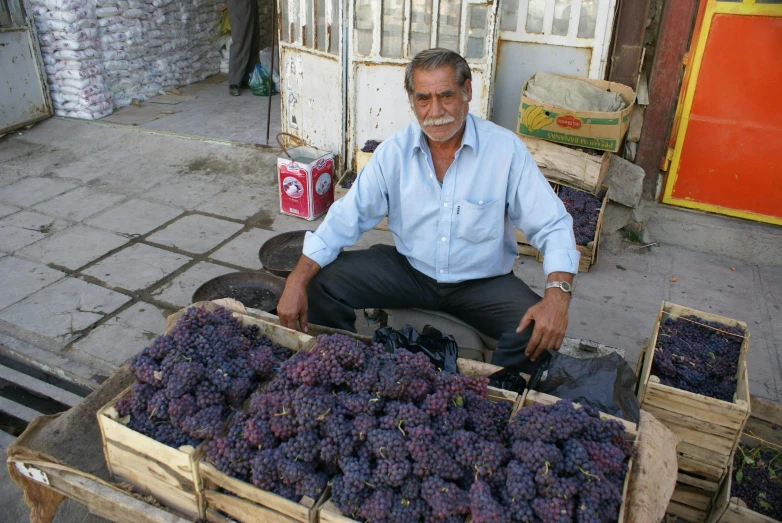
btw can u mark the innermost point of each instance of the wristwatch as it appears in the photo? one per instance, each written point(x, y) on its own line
point(561, 285)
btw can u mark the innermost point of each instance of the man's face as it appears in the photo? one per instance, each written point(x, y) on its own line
point(439, 103)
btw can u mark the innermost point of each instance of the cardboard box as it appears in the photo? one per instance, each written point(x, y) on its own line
point(595, 130)
point(306, 182)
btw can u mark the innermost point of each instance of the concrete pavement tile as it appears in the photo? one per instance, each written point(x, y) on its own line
point(715, 270)
point(763, 369)
point(613, 325)
point(80, 203)
point(657, 261)
point(179, 291)
point(195, 233)
point(629, 288)
point(137, 267)
point(243, 250)
point(134, 217)
point(284, 223)
point(62, 310)
point(74, 247)
point(21, 278)
point(5, 210)
point(124, 335)
point(24, 228)
point(723, 299)
point(33, 190)
point(771, 283)
point(186, 191)
point(239, 204)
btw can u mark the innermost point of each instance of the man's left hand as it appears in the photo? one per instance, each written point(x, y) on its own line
point(550, 317)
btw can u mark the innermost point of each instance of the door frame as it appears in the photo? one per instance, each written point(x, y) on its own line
point(684, 106)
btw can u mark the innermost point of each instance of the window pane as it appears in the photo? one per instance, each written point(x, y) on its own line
point(391, 43)
point(561, 17)
point(420, 26)
point(286, 28)
point(476, 32)
point(364, 27)
point(295, 21)
point(509, 15)
point(587, 19)
point(450, 19)
point(535, 10)
point(309, 28)
point(321, 5)
point(336, 23)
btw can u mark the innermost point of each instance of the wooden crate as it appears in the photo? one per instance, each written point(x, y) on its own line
point(762, 427)
point(170, 475)
point(362, 159)
point(709, 428)
point(562, 164)
point(234, 499)
point(588, 252)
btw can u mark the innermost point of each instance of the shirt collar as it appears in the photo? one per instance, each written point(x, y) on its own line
point(469, 139)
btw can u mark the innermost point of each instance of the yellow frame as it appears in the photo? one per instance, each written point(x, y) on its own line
point(750, 8)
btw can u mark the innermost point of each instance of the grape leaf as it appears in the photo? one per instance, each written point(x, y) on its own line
point(762, 495)
point(766, 505)
point(739, 476)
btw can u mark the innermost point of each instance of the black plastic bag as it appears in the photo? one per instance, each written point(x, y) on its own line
point(605, 383)
point(441, 349)
point(510, 355)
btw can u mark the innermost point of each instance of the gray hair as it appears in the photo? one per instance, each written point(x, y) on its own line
point(434, 59)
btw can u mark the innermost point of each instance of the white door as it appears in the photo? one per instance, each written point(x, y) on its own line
point(555, 36)
point(24, 99)
point(312, 72)
point(385, 36)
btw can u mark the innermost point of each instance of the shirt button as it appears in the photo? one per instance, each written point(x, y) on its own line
point(441, 271)
point(431, 175)
point(480, 202)
point(445, 204)
point(443, 238)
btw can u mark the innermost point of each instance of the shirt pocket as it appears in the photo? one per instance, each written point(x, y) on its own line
point(477, 223)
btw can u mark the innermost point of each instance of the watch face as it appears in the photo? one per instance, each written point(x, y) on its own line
point(565, 286)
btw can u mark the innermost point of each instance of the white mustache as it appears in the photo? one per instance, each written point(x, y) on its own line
point(444, 120)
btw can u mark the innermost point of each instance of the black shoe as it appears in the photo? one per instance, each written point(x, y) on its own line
point(233, 90)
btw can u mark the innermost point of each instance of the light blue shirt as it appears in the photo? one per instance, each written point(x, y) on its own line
point(460, 230)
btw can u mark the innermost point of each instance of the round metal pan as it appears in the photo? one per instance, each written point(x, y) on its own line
point(257, 290)
point(280, 253)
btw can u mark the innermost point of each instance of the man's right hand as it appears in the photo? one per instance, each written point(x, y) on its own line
point(292, 307)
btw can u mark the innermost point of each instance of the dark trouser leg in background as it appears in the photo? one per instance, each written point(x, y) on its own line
point(494, 306)
point(245, 36)
point(376, 277)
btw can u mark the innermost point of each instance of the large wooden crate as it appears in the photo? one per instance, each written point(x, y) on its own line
point(170, 475)
point(588, 252)
point(763, 427)
point(709, 428)
point(562, 164)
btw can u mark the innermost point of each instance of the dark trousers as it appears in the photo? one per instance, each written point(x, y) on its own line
point(245, 40)
point(380, 277)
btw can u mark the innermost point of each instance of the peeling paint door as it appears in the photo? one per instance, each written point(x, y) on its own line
point(555, 36)
point(24, 99)
point(312, 72)
point(387, 34)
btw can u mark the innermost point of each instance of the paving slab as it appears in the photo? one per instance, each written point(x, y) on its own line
point(763, 368)
point(195, 233)
point(5, 210)
point(636, 289)
point(24, 228)
point(63, 309)
point(723, 300)
point(74, 247)
point(179, 291)
point(30, 191)
point(135, 217)
point(137, 267)
point(21, 278)
point(187, 192)
point(80, 203)
point(243, 250)
point(237, 203)
point(124, 335)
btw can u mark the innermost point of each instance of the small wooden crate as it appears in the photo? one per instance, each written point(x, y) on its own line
point(245, 503)
point(588, 252)
point(762, 426)
point(362, 159)
point(167, 474)
point(562, 164)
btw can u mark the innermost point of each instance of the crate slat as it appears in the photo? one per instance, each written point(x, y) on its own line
point(686, 513)
point(243, 511)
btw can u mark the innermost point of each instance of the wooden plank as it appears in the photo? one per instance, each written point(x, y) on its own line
point(691, 423)
point(244, 511)
point(284, 336)
point(763, 410)
point(17, 410)
point(646, 371)
point(689, 514)
point(329, 513)
point(703, 484)
point(698, 468)
point(215, 517)
point(718, 445)
point(738, 514)
point(691, 497)
point(39, 387)
point(693, 404)
point(290, 509)
point(698, 453)
point(563, 164)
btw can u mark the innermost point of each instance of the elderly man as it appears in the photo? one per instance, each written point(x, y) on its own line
point(453, 186)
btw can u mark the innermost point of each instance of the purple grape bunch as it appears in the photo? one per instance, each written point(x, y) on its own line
point(698, 356)
point(190, 380)
point(756, 482)
point(584, 208)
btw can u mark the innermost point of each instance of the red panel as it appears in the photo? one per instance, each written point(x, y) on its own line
point(730, 156)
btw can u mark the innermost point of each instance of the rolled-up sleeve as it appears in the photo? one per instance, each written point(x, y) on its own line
point(537, 211)
point(363, 207)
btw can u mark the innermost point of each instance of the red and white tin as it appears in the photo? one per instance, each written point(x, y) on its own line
point(306, 182)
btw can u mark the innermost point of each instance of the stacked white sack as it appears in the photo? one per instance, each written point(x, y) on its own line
point(68, 34)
